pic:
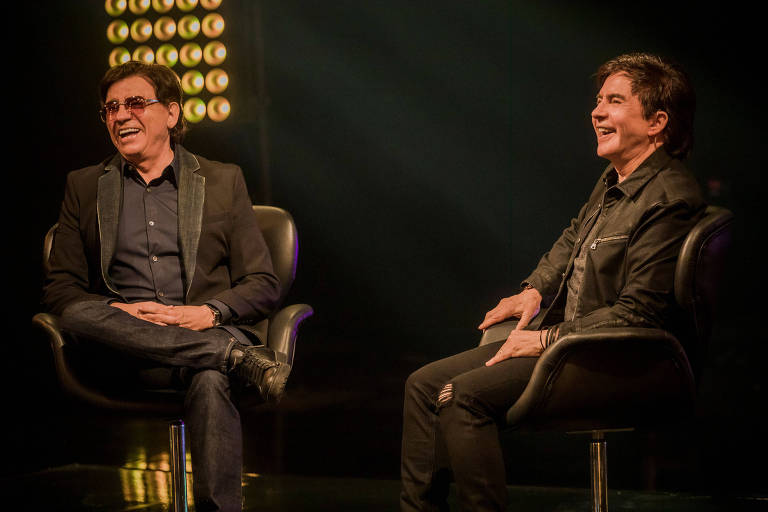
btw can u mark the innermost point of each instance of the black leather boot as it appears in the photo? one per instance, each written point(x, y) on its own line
point(256, 367)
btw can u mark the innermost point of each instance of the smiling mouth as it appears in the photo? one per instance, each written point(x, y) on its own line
point(127, 132)
point(602, 131)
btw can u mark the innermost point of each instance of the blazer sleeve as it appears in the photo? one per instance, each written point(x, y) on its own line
point(72, 277)
point(255, 289)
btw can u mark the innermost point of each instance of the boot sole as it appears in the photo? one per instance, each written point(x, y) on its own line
point(277, 386)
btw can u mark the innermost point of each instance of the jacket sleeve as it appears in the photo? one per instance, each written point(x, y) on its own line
point(255, 289)
point(647, 297)
point(70, 278)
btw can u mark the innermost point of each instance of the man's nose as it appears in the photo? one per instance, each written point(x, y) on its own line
point(122, 112)
point(598, 112)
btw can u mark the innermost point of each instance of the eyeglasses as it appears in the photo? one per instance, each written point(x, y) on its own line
point(135, 104)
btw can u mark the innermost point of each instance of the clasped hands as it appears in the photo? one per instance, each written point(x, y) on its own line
point(520, 343)
point(197, 318)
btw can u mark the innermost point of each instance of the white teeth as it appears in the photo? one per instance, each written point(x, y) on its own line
point(127, 131)
point(603, 131)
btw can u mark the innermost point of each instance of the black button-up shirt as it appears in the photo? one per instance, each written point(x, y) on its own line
point(147, 265)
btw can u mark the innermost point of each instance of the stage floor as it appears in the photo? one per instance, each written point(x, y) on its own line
point(94, 488)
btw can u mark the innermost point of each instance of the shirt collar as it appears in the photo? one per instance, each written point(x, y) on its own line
point(171, 172)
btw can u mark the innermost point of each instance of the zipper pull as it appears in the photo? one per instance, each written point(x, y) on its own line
point(594, 245)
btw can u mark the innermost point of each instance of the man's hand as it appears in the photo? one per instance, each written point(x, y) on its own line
point(196, 318)
point(519, 344)
point(525, 305)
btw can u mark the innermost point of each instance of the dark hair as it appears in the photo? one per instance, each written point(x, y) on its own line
point(660, 84)
point(165, 81)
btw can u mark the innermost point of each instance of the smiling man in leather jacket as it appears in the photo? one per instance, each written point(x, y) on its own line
point(612, 266)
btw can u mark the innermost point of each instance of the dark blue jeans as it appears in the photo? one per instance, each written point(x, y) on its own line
point(124, 351)
point(450, 416)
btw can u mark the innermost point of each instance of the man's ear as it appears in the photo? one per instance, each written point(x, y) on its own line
point(657, 123)
point(174, 111)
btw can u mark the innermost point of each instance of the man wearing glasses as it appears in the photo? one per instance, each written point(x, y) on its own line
point(157, 256)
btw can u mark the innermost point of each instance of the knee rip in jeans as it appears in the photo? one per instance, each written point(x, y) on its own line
point(446, 396)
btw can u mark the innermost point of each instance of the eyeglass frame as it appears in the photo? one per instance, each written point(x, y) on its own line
point(104, 111)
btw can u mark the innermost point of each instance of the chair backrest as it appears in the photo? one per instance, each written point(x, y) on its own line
point(699, 270)
point(279, 232)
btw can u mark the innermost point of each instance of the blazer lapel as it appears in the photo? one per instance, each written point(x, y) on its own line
point(190, 208)
point(108, 201)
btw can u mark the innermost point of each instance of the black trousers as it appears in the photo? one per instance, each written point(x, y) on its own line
point(450, 425)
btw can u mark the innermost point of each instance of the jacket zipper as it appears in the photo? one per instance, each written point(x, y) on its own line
point(607, 239)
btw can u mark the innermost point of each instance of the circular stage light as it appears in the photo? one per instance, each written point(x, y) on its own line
point(210, 4)
point(194, 110)
point(186, 5)
point(189, 27)
point(119, 56)
point(218, 109)
point(138, 6)
point(216, 81)
point(115, 7)
point(214, 53)
point(192, 82)
point(165, 28)
point(213, 25)
point(167, 55)
point(190, 54)
point(144, 54)
point(141, 30)
point(162, 5)
point(118, 31)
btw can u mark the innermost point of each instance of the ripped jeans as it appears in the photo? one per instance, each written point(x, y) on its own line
point(450, 415)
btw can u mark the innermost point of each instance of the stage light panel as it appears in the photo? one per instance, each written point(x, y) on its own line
point(141, 30)
point(186, 5)
point(167, 55)
point(138, 6)
point(162, 6)
point(213, 25)
point(115, 7)
point(173, 32)
point(190, 55)
point(216, 81)
point(218, 109)
point(144, 54)
point(118, 32)
point(192, 82)
point(189, 27)
point(119, 55)
point(194, 110)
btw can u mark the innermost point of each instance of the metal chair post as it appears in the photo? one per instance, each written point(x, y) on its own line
point(178, 467)
point(598, 472)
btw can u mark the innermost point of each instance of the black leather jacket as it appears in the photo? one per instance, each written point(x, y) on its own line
point(628, 277)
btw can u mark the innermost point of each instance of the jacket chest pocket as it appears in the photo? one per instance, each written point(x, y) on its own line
point(607, 257)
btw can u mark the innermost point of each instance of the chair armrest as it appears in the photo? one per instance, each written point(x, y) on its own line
point(606, 378)
point(284, 329)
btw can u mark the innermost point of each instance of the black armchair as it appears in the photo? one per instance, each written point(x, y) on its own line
point(281, 237)
point(623, 378)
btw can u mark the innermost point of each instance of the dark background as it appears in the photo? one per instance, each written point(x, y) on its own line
point(429, 152)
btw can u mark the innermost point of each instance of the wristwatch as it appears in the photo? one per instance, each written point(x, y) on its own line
point(216, 314)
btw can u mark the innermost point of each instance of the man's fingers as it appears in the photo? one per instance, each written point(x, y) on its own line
point(525, 319)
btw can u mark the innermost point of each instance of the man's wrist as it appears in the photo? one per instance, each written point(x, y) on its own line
point(216, 321)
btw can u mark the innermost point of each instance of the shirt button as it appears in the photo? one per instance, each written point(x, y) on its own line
point(154, 258)
point(151, 223)
point(161, 294)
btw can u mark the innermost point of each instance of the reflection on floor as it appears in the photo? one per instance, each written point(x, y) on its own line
point(102, 488)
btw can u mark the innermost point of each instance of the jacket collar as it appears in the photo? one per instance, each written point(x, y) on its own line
point(650, 167)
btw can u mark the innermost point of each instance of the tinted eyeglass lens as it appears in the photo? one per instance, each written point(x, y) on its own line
point(133, 104)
